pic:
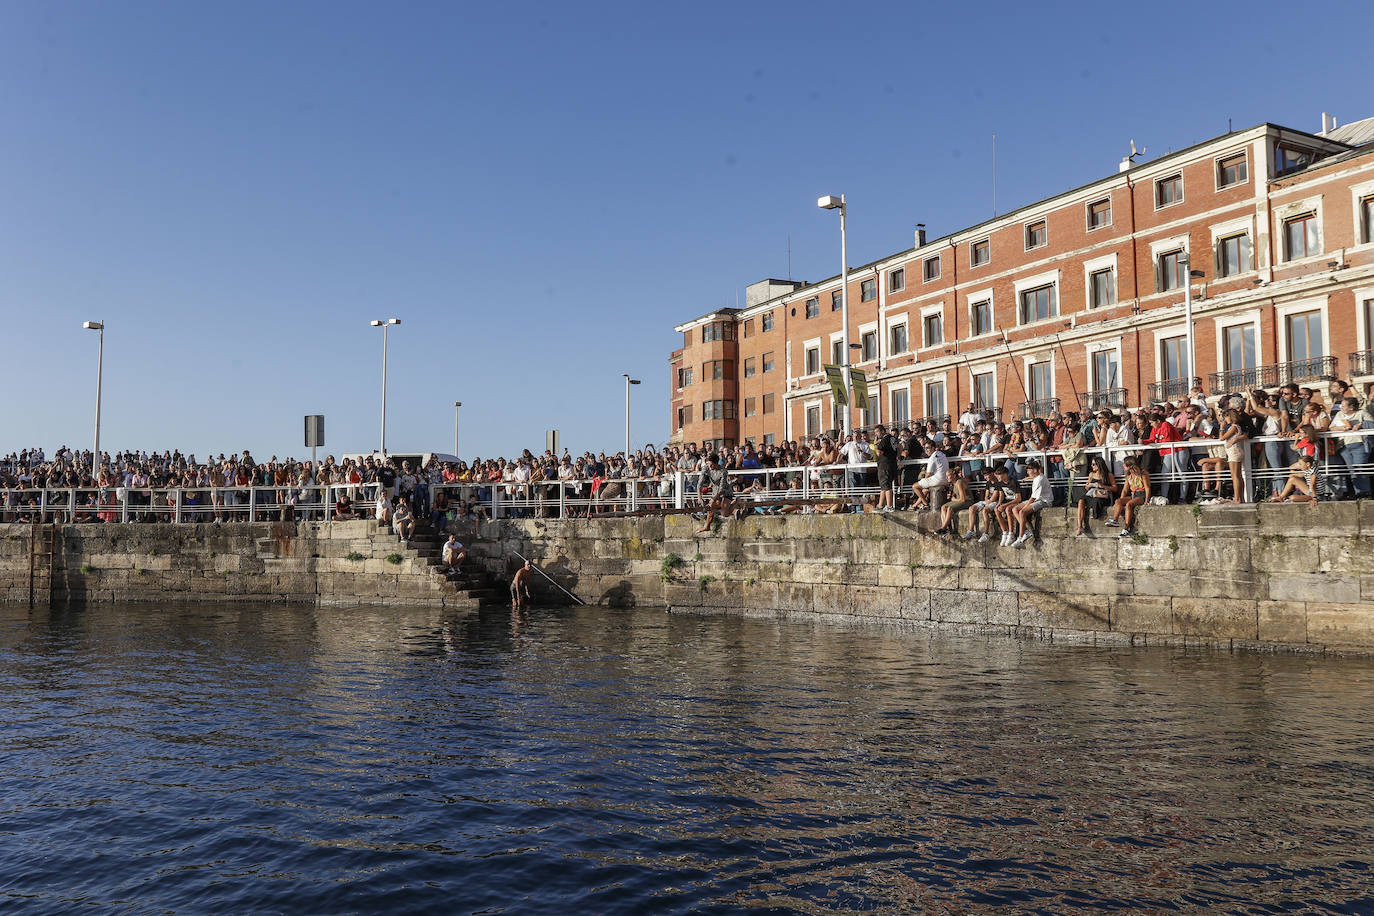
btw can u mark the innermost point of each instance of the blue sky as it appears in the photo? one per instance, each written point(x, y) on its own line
point(540, 191)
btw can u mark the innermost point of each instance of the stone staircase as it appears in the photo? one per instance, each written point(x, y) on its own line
point(470, 587)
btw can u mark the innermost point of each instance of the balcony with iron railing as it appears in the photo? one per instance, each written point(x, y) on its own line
point(1361, 362)
point(1105, 397)
point(1039, 408)
point(1169, 389)
point(1299, 370)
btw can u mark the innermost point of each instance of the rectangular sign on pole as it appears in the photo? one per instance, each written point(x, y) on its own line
point(859, 382)
point(314, 430)
point(551, 441)
point(835, 376)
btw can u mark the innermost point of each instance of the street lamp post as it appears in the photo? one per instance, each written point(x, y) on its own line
point(831, 202)
point(628, 382)
point(456, 405)
point(1188, 320)
point(385, 326)
point(99, 373)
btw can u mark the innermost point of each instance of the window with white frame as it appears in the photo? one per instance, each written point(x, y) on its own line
point(1100, 214)
point(980, 252)
point(1037, 234)
point(1305, 338)
point(1233, 254)
point(868, 345)
point(1172, 351)
point(901, 406)
point(813, 360)
point(930, 269)
point(1040, 380)
point(1238, 352)
point(1102, 287)
point(1232, 170)
point(1168, 191)
point(1038, 303)
point(896, 280)
point(933, 329)
point(868, 290)
point(813, 419)
point(1100, 281)
point(813, 307)
point(1106, 370)
point(980, 317)
point(837, 352)
point(1301, 236)
point(897, 339)
point(984, 385)
point(1169, 270)
point(1366, 216)
point(935, 399)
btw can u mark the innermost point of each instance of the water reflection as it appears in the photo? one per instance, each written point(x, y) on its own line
point(239, 758)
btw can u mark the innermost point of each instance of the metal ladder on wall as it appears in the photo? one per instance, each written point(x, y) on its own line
point(42, 557)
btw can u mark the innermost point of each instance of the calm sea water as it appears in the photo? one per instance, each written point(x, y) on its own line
point(253, 760)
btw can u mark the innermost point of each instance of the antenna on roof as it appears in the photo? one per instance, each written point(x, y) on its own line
point(994, 173)
point(789, 256)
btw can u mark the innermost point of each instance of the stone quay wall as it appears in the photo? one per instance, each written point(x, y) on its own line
point(1259, 576)
point(287, 562)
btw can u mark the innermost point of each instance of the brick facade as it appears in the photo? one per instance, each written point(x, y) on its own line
point(1079, 298)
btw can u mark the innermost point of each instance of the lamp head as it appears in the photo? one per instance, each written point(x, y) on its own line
point(375, 324)
point(393, 321)
point(93, 325)
point(829, 202)
point(457, 403)
point(634, 381)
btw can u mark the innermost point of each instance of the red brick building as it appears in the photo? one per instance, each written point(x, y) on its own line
point(1071, 302)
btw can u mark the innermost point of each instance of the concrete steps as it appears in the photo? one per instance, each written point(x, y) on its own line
point(468, 587)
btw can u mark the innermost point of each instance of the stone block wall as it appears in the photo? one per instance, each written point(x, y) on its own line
point(286, 562)
point(1230, 576)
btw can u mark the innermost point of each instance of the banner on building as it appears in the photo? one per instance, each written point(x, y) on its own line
point(858, 381)
point(835, 375)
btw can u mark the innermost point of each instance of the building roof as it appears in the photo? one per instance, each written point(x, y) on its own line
point(1356, 133)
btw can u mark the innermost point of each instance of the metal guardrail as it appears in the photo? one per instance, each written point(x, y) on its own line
point(1105, 397)
point(575, 497)
point(1361, 362)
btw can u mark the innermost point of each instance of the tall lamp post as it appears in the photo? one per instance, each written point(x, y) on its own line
point(831, 202)
point(456, 405)
point(628, 382)
point(99, 373)
point(385, 325)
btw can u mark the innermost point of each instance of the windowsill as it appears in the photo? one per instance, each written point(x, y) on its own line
point(1038, 247)
point(1234, 184)
point(1172, 203)
point(1041, 322)
point(988, 334)
point(1099, 228)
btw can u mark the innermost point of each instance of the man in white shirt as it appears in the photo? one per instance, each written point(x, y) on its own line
point(969, 418)
point(1039, 499)
point(933, 479)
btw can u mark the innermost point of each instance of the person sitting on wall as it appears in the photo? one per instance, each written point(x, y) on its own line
point(402, 522)
point(1100, 493)
point(1011, 498)
point(343, 509)
point(960, 498)
point(984, 509)
point(933, 480)
point(454, 553)
point(383, 508)
point(1135, 492)
point(1024, 512)
point(1302, 483)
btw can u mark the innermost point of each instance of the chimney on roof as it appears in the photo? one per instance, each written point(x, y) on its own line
point(1328, 123)
point(920, 235)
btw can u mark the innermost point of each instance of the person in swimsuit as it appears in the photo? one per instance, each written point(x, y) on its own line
point(520, 585)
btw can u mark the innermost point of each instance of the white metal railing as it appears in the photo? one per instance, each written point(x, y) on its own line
point(677, 490)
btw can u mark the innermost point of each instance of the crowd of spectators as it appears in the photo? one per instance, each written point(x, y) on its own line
point(982, 475)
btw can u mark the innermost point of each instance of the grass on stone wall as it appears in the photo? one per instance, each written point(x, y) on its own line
point(394, 559)
point(670, 563)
